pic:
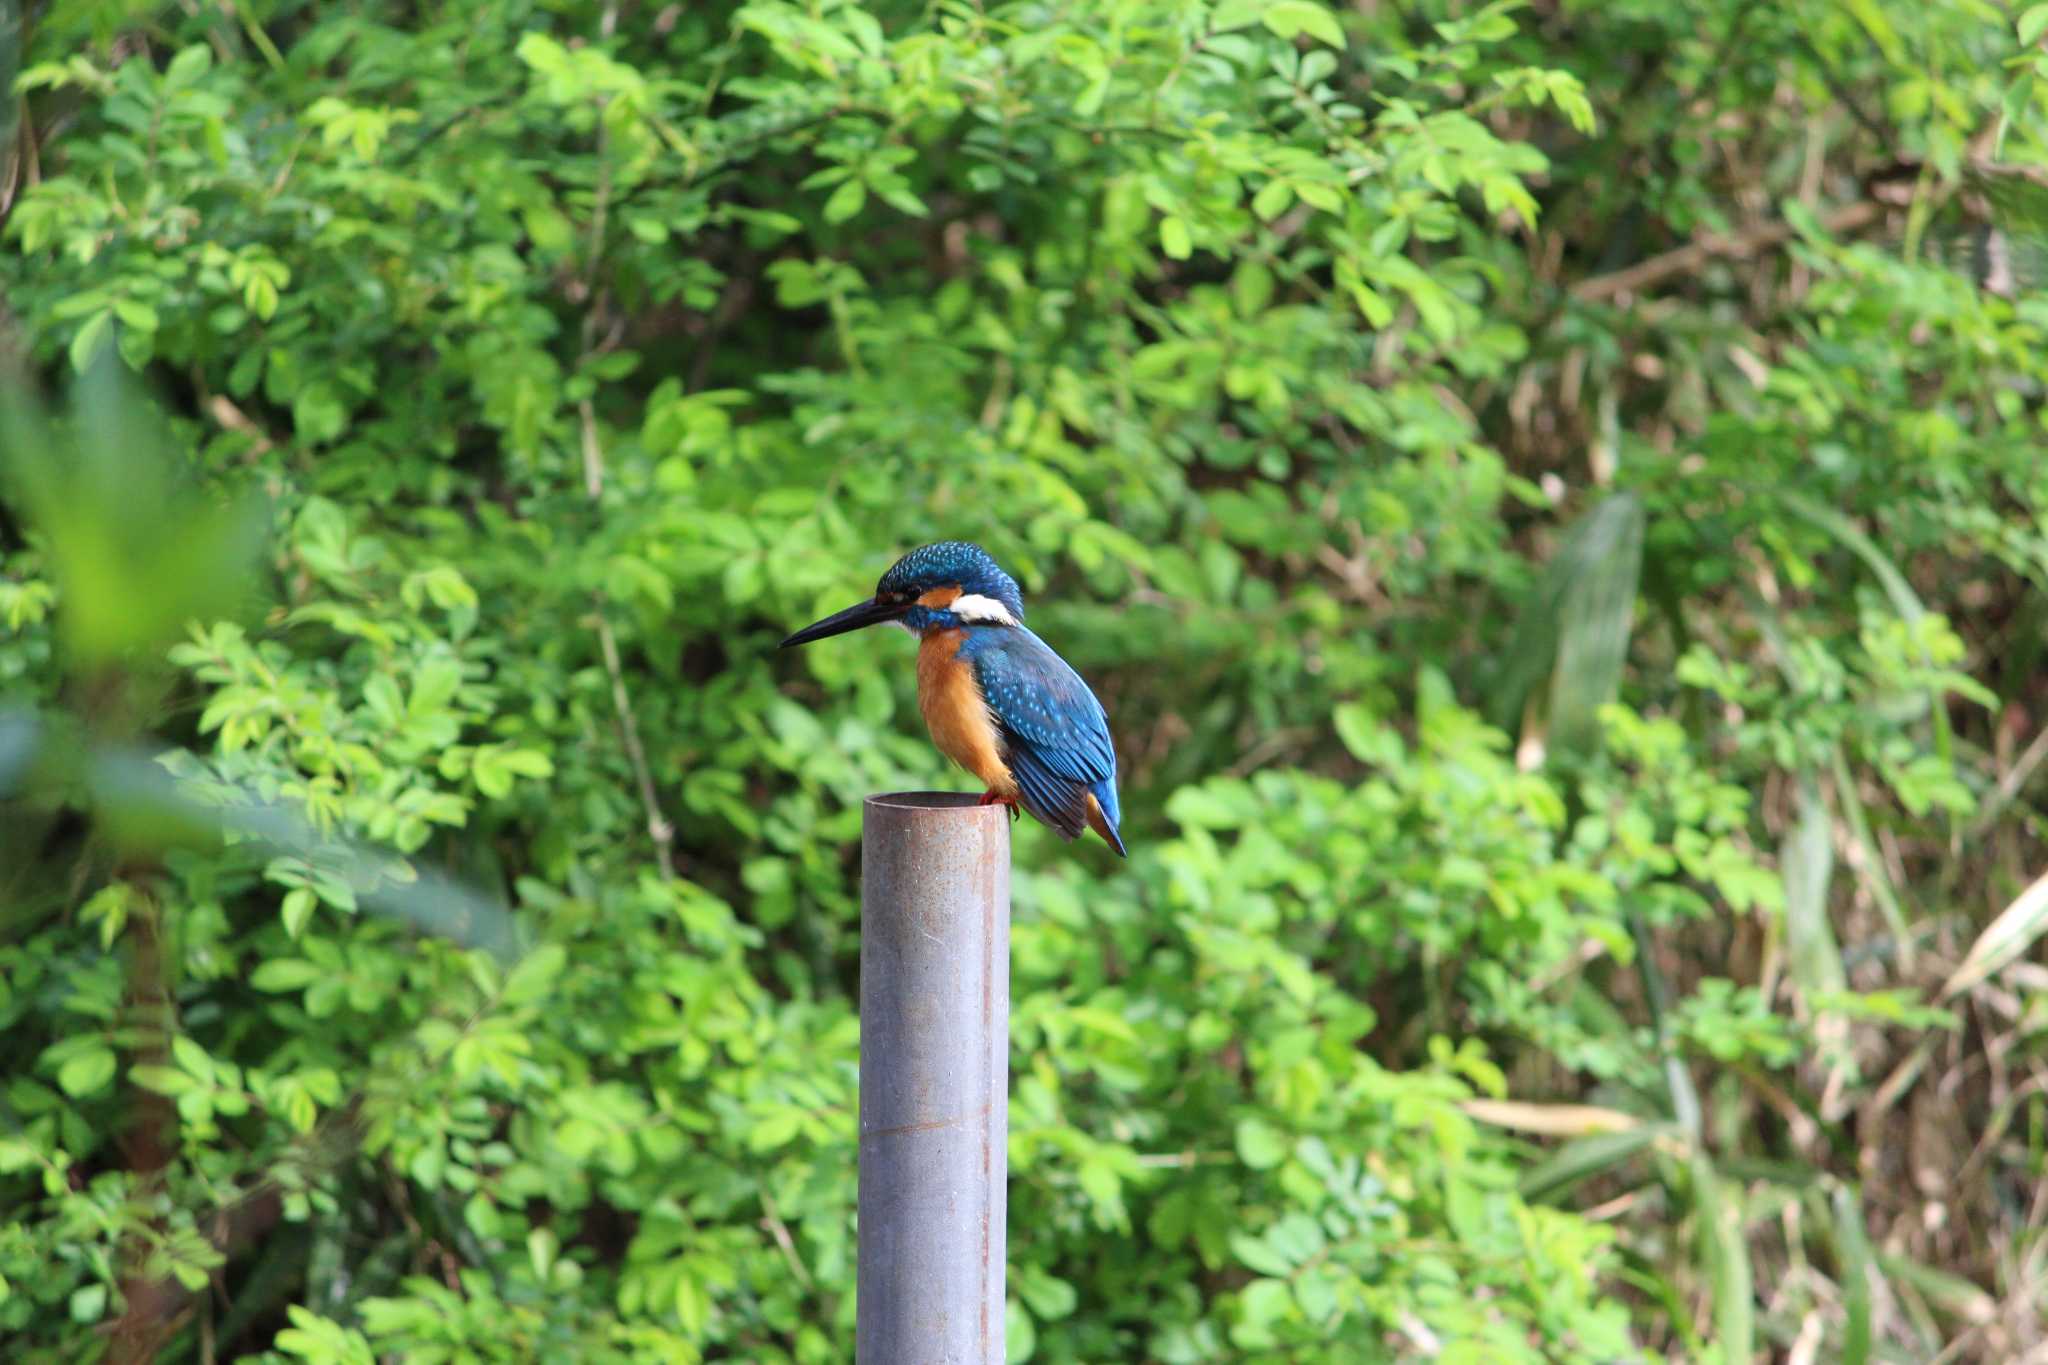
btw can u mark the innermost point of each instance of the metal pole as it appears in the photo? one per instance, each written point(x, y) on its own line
point(934, 1079)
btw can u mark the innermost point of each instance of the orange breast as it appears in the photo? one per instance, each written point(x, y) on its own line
point(956, 714)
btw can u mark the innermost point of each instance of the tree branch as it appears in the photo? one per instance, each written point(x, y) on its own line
point(1686, 260)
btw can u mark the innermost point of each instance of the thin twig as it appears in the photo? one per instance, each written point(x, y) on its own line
point(593, 453)
point(658, 827)
point(231, 418)
point(602, 208)
point(2016, 777)
point(780, 1231)
point(1182, 1160)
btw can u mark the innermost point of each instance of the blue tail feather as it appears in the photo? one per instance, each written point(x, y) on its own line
point(1104, 793)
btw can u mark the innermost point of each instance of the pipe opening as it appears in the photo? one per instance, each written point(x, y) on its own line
point(925, 800)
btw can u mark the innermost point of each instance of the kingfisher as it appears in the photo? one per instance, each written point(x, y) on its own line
point(995, 697)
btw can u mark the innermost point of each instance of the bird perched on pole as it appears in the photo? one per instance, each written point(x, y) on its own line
point(996, 698)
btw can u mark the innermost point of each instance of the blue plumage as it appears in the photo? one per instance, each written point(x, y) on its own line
point(1027, 726)
point(952, 563)
point(1056, 736)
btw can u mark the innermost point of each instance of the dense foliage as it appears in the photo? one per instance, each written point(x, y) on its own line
point(1551, 495)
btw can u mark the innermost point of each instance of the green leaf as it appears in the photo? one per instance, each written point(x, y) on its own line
point(1904, 600)
point(87, 1073)
point(527, 763)
point(1197, 806)
point(1373, 305)
point(1174, 239)
point(495, 767)
point(2033, 22)
point(192, 1057)
point(1316, 1290)
point(775, 1130)
point(86, 341)
point(1229, 15)
point(1259, 1144)
point(88, 1303)
point(1318, 195)
point(1048, 1297)
point(1258, 1255)
point(437, 681)
point(317, 413)
point(187, 67)
point(535, 975)
point(1272, 199)
point(846, 201)
point(1020, 1333)
point(385, 703)
point(135, 313)
point(297, 910)
point(1290, 17)
point(1251, 288)
point(1366, 737)
point(1871, 15)
point(1265, 1301)
point(284, 974)
point(164, 1080)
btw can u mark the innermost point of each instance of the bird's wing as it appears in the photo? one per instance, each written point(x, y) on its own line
point(1055, 734)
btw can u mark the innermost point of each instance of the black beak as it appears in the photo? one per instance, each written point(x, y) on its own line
point(871, 613)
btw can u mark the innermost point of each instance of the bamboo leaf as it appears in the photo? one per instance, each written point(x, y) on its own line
point(1684, 1096)
point(2004, 939)
point(1904, 600)
point(1551, 1120)
point(1807, 862)
point(1573, 632)
point(1870, 866)
point(1852, 1246)
point(1598, 608)
point(1727, 1260)
point(1587, 1157)
point(1952, 1294)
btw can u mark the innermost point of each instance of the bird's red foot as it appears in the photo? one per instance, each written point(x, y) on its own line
point(991, 799)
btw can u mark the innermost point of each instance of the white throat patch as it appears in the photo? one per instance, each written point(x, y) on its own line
point(974, 607)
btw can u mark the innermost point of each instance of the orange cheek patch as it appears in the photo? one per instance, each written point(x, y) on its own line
point(939, 597)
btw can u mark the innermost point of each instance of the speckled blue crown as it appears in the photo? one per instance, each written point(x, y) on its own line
point(950, 562)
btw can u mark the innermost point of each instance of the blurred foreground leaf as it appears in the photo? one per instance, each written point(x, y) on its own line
point(1571, 639)
point(136, 547)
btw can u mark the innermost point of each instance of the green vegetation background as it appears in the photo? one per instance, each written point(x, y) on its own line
point(1552, 496)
